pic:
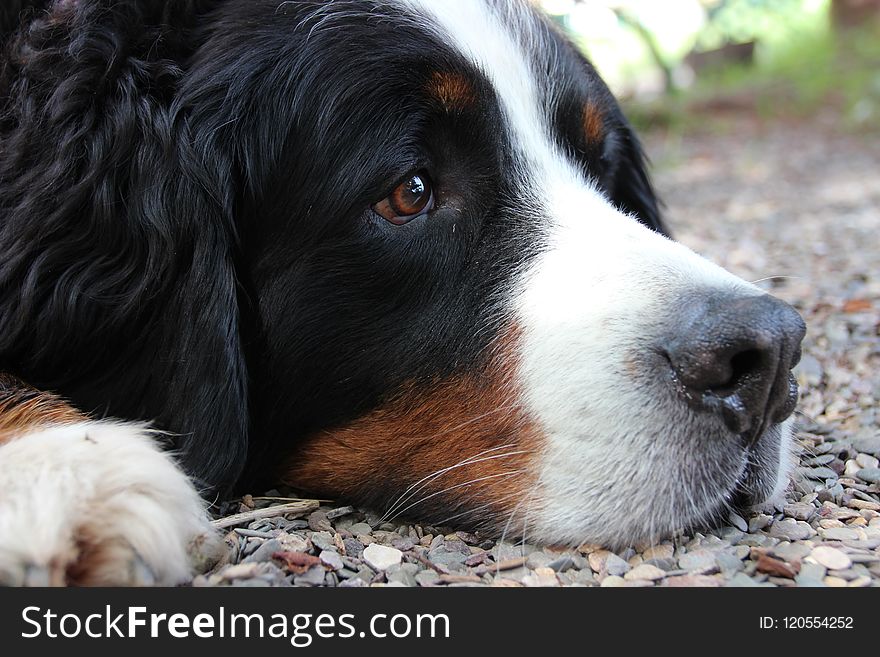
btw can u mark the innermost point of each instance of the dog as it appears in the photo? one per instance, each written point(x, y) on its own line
point(401, 253)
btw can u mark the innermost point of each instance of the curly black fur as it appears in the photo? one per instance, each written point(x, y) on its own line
point(117, 282)
point(185, 233)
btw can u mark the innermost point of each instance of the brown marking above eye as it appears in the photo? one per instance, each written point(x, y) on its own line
point(453, 90)
point(410, 199)
point(593, 123)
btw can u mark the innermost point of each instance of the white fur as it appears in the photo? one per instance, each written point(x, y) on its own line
point(788, 458)
point(106, 481)
point(596, 295)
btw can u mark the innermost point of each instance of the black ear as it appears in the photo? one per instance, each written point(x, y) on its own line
point(632, 188)
point(118, 286)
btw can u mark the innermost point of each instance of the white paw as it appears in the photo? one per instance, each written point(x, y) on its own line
point(98, 503)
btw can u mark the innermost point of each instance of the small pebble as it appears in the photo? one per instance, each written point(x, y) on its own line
point(698, 560)
point(331, 559)
point(658, 552)
point(381, 557)
point(830, 558)
point(799, 510)
point(840, 534)
point(318, 522)
point(871, 475)
point(791, 530)
point(360, 528)
point(645, 572)
point(614, 565)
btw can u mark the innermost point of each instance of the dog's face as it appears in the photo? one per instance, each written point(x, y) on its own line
point(455, 297)
point(466, 300)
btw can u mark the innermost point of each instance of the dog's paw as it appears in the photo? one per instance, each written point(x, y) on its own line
point(98, 503)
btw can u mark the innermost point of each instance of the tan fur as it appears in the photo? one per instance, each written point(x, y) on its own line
point(23, 409)
point(419, 433)
point(454, 91)
point(593, 123)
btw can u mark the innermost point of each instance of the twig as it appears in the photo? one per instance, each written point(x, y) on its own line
point(299, 506)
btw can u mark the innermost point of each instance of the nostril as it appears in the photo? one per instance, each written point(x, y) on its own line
point(732, 357)
point(742, 364)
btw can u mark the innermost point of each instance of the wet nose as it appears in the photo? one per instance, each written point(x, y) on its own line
point(733, 356)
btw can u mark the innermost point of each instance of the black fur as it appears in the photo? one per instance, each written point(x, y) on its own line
point(185, 223)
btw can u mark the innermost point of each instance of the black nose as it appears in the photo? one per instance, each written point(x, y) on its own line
point(733, 356)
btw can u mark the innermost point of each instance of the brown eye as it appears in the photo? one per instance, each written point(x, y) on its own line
point(410, 199)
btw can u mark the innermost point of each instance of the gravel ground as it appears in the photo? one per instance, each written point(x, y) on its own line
point(794, 205)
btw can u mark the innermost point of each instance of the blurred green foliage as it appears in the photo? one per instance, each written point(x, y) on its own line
point(802, 63)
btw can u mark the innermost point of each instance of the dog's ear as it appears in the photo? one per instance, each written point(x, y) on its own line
point(632, 190)
point(118, 285)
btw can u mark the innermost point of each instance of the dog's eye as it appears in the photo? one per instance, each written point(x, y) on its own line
point(410, 199)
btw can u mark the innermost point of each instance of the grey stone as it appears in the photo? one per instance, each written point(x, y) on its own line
point(758, 522)
point(741, 580)
point(314, 576)
point(562, 564)
point(403, 544)
point(296, 524)
point(698, 560)
point(449, 553)
point(800, 510)
point(868, 445)
point(338, 513)
point(839, 534)
point(365, 573)
point(791, 551)
point(318, 522)
point(820, 474)
point(666, 563)
point(584, 577)
point(791, 530)
point(353, 547)
point(505, 551)
point(614, 565)
point(538, 560)
point(323, 541)
point(871, 475)
point(331, 559)
point(264, 551)
point(738, 522)
point(360, 528)
point(729, 563)
point(345, 573)
point(427, 578)
point(403, 577)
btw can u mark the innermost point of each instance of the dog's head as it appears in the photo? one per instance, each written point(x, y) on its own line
point(456, 299)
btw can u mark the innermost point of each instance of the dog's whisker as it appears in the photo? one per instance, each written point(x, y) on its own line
point(420, 485)
point(777, 278)
point(457, 486)
point(510, 520)
point(475, 510)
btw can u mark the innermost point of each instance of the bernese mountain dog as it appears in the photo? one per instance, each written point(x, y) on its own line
point(403, 253)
